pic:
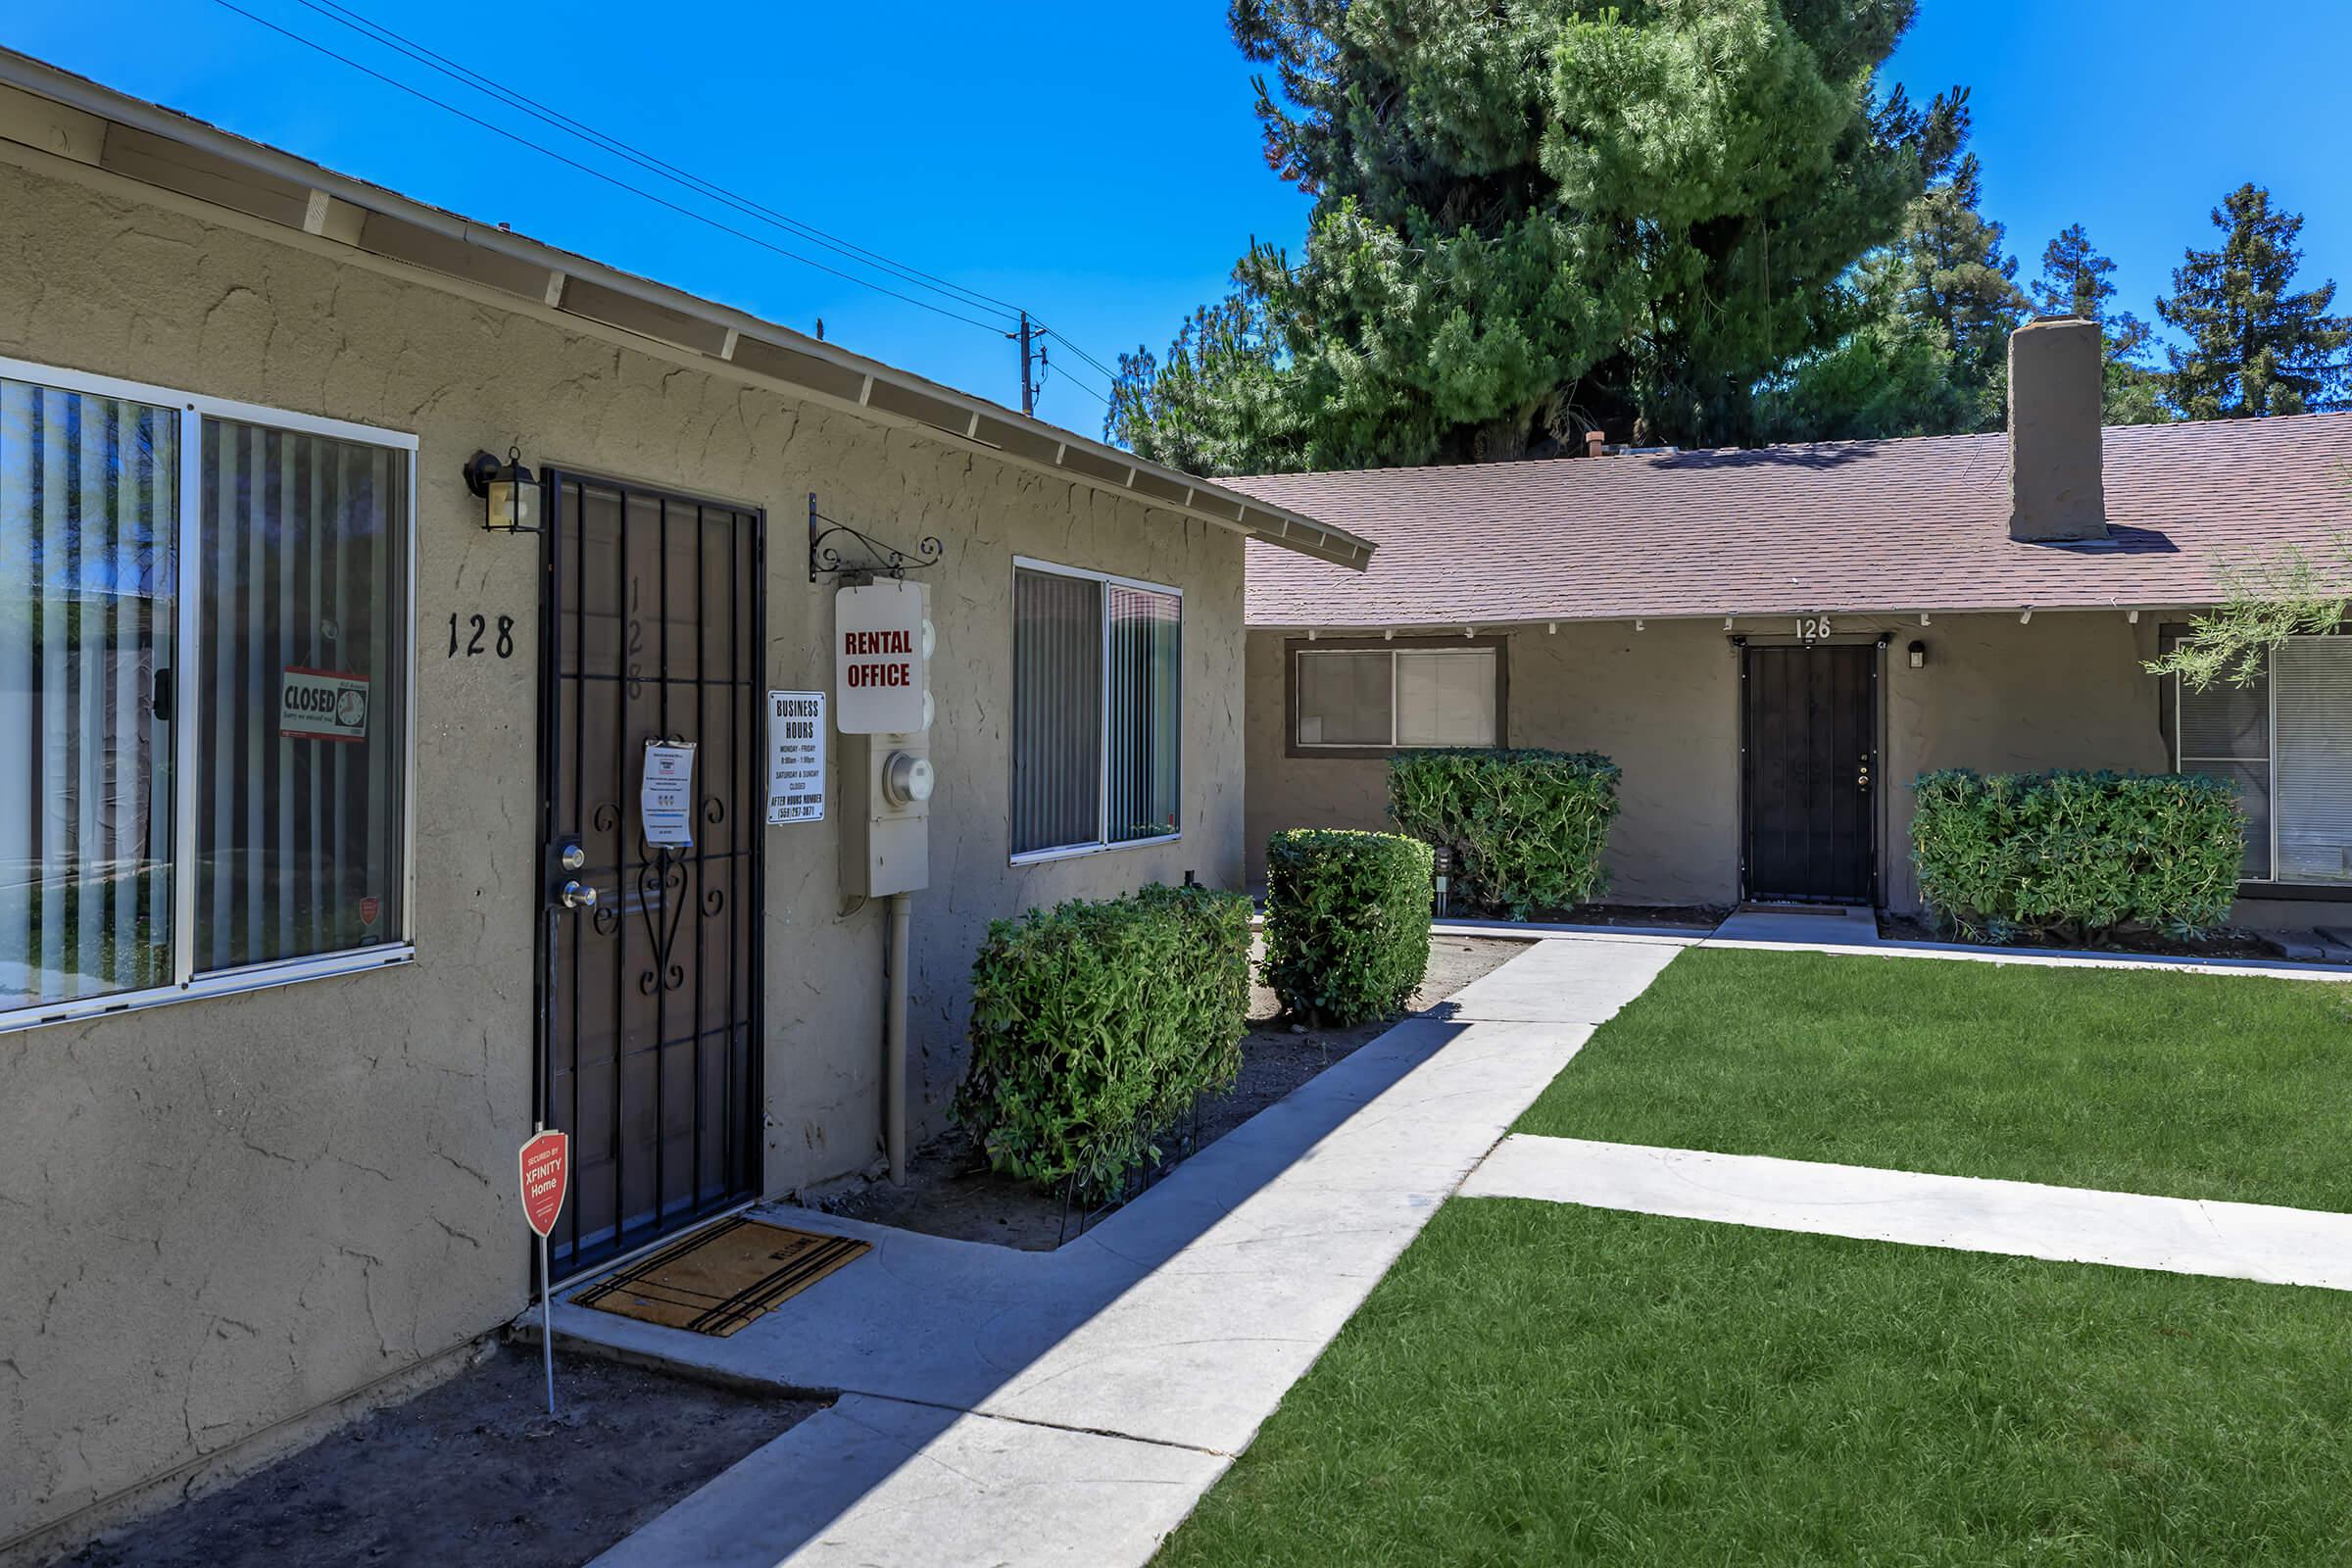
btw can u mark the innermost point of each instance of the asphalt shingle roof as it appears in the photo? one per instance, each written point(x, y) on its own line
point(1863, 526)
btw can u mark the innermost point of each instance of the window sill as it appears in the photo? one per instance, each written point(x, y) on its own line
point(229, 983)
point(2291, 892)
point(1072, 852)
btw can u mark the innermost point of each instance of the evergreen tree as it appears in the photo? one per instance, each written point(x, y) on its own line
point(2255, 345)
point(1957, 279)
point(1539, 217)
point(2073, 282)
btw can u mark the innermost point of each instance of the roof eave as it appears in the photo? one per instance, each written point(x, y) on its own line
point(384, 223)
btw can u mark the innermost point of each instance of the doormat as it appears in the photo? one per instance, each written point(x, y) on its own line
point(715, 1280)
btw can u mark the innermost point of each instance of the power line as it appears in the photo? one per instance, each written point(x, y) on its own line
point(1108, 372)
point(344, 17)
point(598, 174)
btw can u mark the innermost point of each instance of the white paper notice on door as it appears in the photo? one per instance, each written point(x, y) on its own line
point(665, 802)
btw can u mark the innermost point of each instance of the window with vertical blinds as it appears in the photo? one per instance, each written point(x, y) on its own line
point(88, 507)
point(1095, 712)
point(203, 690)
point(2286, 741)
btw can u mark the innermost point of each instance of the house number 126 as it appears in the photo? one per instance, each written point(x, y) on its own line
point(504, 645)
point(1812, 628)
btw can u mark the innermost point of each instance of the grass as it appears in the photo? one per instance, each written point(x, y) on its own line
point(2131, 1080)
point(1545, 1384)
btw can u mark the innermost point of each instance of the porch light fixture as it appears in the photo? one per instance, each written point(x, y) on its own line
point(510, 492)
point(1919, 655)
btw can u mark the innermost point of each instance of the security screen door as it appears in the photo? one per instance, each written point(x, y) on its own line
point(652, 624)
point(1809, 770)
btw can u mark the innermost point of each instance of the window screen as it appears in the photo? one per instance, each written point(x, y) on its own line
point(88, 507)
point(1344, 699)
point(1142, 654)
point(2224, 731)
point(301, 549)
point(2314, 679)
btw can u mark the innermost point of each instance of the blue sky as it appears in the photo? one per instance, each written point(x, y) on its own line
point(1100, 163)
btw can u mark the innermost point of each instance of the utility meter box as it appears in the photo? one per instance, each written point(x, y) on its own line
point(883, 641)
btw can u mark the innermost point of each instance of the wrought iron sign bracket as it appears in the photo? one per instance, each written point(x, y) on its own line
point(869, 557)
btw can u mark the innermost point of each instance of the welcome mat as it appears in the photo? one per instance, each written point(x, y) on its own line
point(718, 1279)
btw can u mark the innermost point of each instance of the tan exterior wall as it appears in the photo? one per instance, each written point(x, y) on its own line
point(1996, 695)
point(223, 1213)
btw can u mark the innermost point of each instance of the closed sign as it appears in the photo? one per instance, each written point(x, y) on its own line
point(878, 659)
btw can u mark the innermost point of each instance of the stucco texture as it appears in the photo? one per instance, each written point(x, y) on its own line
point(1996, 695)
point(223, 1213)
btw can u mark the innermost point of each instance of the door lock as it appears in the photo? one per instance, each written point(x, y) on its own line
point(1862, 779)
point(577, 896)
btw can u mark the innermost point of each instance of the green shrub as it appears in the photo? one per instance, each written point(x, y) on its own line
point(1347, 921)
point(2011, 855)
point(1095, 1027)
point(1527, 829)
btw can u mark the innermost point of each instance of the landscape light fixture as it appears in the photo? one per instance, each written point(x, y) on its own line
point(510, 492)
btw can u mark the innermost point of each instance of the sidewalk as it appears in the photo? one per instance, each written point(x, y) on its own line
point(1971, 1213)
point(1070, 1408)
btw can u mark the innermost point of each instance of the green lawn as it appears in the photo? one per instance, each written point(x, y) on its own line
point(1544, 1384)
point(2134, 1080)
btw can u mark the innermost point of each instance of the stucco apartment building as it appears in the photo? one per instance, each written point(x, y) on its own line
point(326, 868)
point(1774, 644)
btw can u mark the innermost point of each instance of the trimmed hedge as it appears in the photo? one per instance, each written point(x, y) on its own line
point(2072, 855)
point(1527, 827)
point(1095, 1027)
point(1347, 921)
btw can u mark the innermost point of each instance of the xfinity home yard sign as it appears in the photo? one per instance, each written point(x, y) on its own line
point(878, 659)
point(795, 757)
point(322, 705)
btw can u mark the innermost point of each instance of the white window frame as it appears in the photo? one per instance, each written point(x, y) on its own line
point(193, 408)
point(2270, 763)
point(1101, 843)
point(1298, 683)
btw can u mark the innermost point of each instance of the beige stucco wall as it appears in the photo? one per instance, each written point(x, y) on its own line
point(221, 1214)
point(1996, 694)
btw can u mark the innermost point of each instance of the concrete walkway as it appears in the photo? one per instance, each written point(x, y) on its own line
point(1773, 932)
point(1070, 1408)
point(2065, 1224)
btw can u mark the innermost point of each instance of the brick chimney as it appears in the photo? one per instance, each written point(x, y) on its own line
point(2056, 385)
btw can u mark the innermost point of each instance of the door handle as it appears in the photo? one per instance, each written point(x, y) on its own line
point(577, 896)
point(1862, 778)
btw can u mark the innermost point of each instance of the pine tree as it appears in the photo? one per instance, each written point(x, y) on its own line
point(2073, 282)
point(1957, 278)
point(2255, 345)
point(1539, 217)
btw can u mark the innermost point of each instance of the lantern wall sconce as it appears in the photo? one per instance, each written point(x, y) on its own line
point(510, 492)
point(1919, 655)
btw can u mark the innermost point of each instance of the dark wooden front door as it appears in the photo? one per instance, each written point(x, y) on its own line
point(650, 1007)
point(1810, 772)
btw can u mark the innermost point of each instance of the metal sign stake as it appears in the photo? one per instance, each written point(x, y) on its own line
point(547, 1324)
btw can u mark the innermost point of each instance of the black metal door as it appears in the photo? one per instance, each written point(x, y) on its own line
point(1809, 770)
point(653, 627)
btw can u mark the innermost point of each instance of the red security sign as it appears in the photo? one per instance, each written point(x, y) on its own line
point(546, 1162)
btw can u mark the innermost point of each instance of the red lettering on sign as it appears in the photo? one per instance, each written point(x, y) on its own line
point(546, 1162)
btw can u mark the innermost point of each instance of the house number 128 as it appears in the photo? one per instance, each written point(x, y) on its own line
point(504, 645)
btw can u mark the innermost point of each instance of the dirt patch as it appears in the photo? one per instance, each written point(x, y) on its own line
point(473, 1471)
point(1697, 916)
point(951, 1191)
point(2220, 945)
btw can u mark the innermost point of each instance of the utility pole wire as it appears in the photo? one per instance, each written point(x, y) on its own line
point(344, 17)
point(598, 174)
